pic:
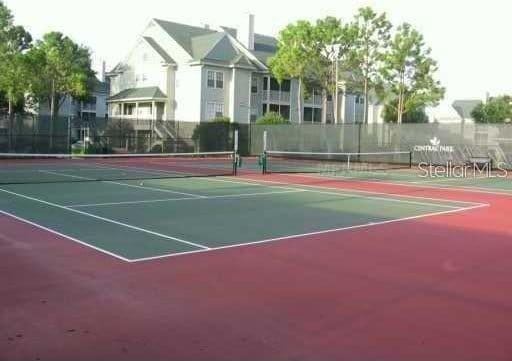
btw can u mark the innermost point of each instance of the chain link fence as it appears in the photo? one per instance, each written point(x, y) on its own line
point(433, 143)
point(39, 134)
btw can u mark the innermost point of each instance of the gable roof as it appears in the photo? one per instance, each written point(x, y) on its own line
point(217, 46)
point(182, 33)
point(152, 42)
point(465, 107)
point(202, 45)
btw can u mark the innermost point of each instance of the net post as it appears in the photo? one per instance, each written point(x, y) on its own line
point(235, 151)
point(348, 162)
point(235, 141)
point(410, 160)
point(264, 153)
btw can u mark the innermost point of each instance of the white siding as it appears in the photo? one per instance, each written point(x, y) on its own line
point(216, 95)
point(240, 96)
point(188, 93)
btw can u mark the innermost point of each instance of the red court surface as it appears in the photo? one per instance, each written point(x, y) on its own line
point(436, 288)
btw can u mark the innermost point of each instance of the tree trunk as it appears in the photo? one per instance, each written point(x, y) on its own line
point(324, 106)
point(299, 102)
point(52, 113)
point(365, 110)
point(11, 124)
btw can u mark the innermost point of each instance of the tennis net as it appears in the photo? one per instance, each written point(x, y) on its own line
point(62, 168)
point(321, 162)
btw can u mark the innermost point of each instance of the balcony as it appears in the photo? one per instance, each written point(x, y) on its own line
point(276, 96)
point(315, 100)
point(89, 108)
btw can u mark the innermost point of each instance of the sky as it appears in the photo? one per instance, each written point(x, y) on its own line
point(469, 39)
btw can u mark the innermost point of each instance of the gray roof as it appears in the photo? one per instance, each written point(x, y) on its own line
point(166, 57)
point(139, 93)
point(207, 44)
point(183, 34)
point(465, 107)
point(99, 86)
point(202, 45)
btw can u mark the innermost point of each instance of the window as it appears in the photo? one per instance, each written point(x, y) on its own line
point(129, 109)
point(308, 114)
point(91, 101)
point(265, 83)
point(211, 79)
point(145, 57)
point(285, 112)
point(219, 82)
point(254, 85)
point(274, 85)
point(214, 110)
point(215, 79)
point(274, 108)
point(141, 77)
point(359, 99)
point(285, 85)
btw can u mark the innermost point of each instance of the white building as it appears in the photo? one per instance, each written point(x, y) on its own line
point(195, 74)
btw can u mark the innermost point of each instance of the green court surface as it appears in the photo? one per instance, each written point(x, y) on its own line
point(141, 220)
point(413, 176)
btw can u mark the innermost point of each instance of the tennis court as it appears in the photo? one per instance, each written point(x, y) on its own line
point(139, 246)
point(142, 217)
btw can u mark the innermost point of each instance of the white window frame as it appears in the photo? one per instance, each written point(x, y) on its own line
point(214, 110)
point(210, 77)
point(219, 80)
point(215, 79)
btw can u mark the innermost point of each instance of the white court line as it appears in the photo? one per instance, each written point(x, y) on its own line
point(255, 181)
point(153, 189)
point(339, 192)
point(295, 236)
point(63, 235)
point(241, 195)
point(405, 183)
point(108, 220)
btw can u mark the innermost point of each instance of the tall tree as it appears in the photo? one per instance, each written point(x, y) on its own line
point(61, 68)
point(333, 42)
point(295, 57)
point(372, 40)
point(408, 72)
point(14, 41)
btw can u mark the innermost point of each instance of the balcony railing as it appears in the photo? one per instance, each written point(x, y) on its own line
point(314, 100)
point(89, 108)
point(276, 96)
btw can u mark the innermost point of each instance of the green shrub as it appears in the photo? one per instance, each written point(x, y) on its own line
point(417, 115)
point(272, 118)
point(216, 135)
